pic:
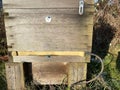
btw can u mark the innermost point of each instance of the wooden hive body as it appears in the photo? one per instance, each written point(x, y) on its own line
point(29, 36)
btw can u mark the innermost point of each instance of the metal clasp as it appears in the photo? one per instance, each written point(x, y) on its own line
point(81, 7)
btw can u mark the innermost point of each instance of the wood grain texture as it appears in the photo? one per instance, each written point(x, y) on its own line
point(49, 72)
point(66, 32)
point(59, 73)
point(12, 12)
point(49, 53)
point(40, 3)
point(49, 59)
point(52, 38)
point(89, 1)
point(14, 76)
point(17, 19)
point(27, 30)
point(76, 72)
point(43, 3)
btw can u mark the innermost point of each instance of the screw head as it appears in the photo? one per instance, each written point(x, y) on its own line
point(48, 19)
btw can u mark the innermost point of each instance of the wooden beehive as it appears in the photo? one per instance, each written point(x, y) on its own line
point(56, 48)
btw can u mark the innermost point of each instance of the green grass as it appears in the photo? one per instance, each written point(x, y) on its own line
point(3, 85)
point(112, 71)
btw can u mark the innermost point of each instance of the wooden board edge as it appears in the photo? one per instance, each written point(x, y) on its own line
point(48, 53)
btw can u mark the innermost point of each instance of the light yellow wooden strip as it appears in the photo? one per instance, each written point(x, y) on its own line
point(59, 53)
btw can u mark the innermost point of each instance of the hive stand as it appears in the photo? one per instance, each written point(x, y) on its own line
point(52, 36)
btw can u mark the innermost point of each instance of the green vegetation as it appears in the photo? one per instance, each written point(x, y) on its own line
point(3, 85)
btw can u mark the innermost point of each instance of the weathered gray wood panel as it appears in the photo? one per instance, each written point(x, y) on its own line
point(40, 3)
point(88, 9)
point(43, 3)
point(49, 59)
point(48, 38)
point(28, 31)
point(76, 72)
point(16, 19)
point(14, 75)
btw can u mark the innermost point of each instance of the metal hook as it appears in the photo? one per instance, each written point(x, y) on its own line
point(81, 7)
